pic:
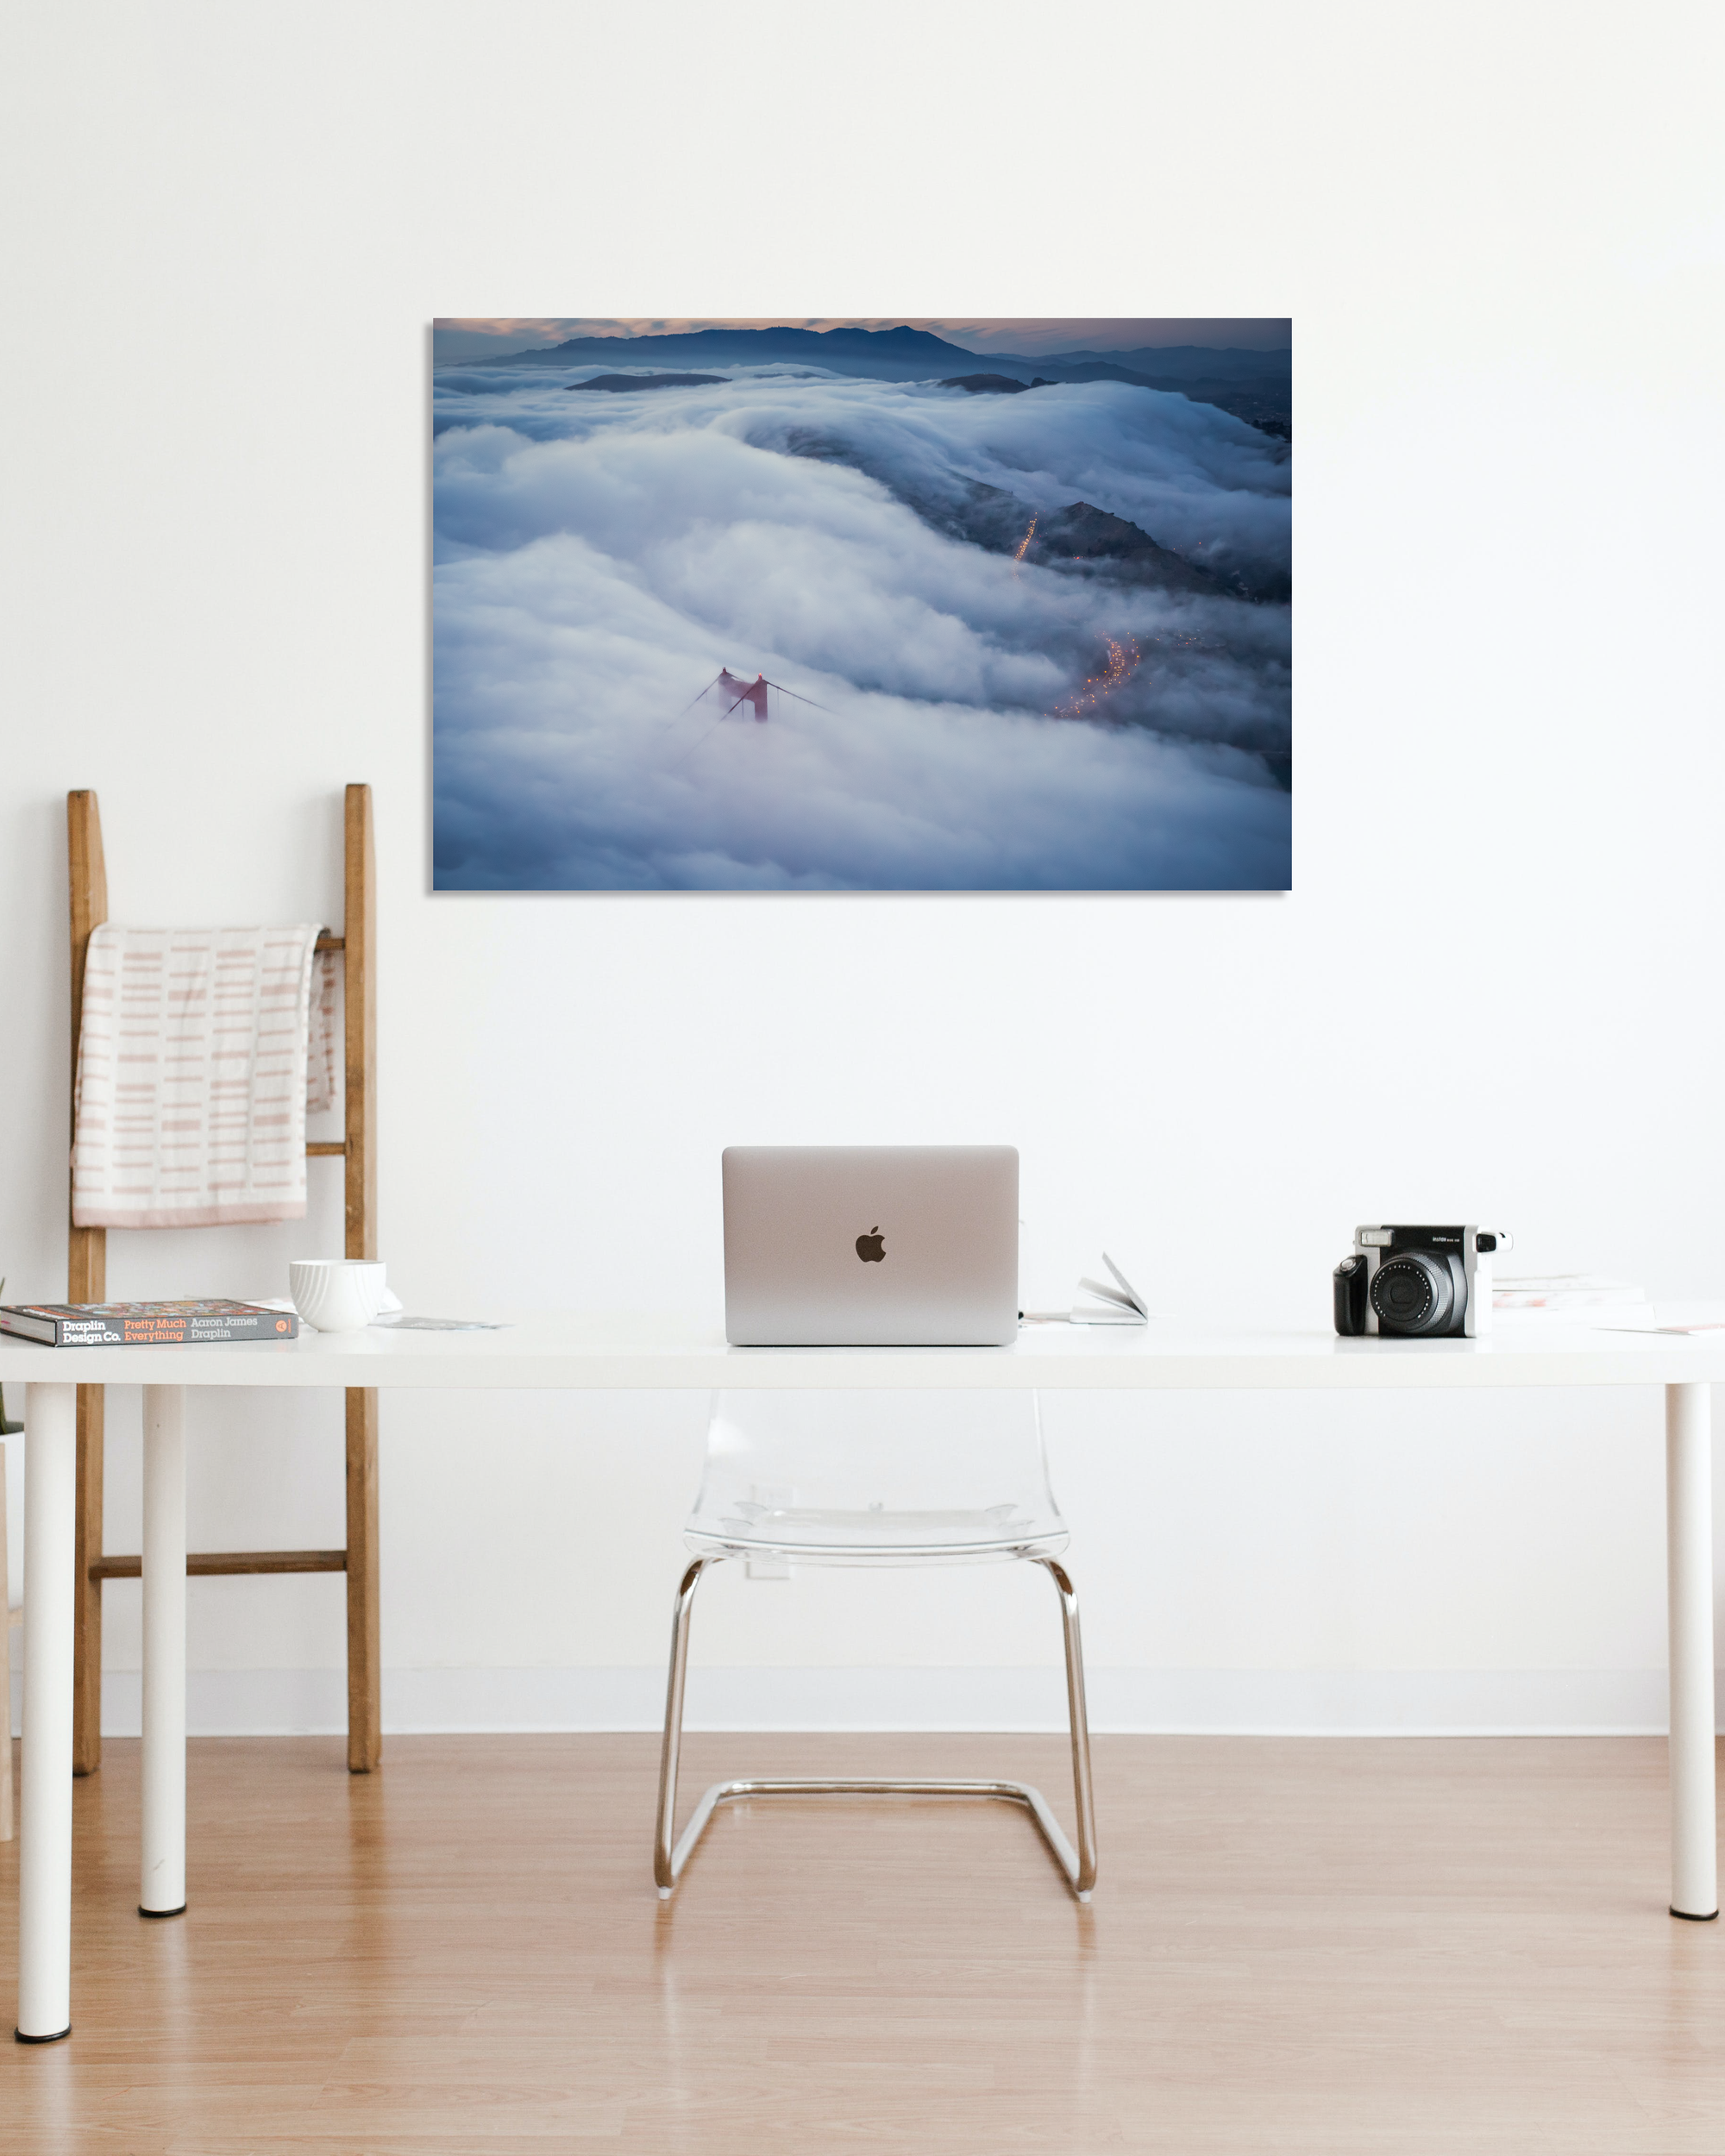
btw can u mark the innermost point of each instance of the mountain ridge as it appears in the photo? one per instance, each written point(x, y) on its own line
point(898, 348)
point(903, 348)
point(1254, 386)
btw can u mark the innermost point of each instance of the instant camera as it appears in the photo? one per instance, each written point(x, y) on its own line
point(1418, 1284)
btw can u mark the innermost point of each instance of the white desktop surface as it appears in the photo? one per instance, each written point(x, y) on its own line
point(643, 1352)
point(646, 1353)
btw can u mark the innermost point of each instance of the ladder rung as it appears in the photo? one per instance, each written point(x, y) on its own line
point(231, 1561)
point(324, 1148)
point(330, 943)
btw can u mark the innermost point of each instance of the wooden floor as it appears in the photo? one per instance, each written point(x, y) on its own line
point(1324, 1945)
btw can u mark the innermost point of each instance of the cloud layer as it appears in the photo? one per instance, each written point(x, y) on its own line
point(600, 557)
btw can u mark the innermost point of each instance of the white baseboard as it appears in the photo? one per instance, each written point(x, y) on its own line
point(1356, 1702)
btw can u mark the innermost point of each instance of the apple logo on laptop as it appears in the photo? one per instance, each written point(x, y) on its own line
point(871, 1248)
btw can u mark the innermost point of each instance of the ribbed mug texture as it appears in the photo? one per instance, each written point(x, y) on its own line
point(336, 1295)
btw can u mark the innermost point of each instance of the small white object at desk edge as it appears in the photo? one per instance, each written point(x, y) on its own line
point(1118, 1304)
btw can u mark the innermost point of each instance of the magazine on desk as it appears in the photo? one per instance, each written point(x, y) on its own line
point(144, 1324)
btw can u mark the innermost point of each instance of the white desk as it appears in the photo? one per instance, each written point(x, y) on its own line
point(662, 1355)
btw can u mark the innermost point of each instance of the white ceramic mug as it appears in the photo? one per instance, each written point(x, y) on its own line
point(336, 1295)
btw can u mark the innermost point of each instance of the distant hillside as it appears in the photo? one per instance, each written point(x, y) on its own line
point(1076, 540)
point(1080, 533)
point(990, 384)
point(1254, 385)
point(650, 381)
point(1219, 362)
point(883, 354)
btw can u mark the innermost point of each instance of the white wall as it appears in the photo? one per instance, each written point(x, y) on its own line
point(1492, 993)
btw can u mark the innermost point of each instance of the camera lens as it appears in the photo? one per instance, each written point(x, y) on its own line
point(1413, 1292)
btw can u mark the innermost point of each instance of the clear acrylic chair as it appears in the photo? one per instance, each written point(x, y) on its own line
point(879, 1479)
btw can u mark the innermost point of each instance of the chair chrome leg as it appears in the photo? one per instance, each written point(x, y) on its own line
point(1079, 1866)
point(1079, 1719)
point(665, 1866)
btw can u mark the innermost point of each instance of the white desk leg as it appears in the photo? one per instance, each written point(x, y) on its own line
point(1689, 1581)
point(45, 1839)
point(162, 1892)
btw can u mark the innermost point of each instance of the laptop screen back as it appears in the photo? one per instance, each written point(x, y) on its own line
point(871, 1245)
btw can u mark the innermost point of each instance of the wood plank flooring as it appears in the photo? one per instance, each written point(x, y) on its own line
point(1296, 1946)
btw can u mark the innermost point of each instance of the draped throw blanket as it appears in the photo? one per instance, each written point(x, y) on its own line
point(193, 1076)
point(320, 1047)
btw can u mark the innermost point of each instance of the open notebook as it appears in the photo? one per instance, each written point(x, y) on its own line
point(1118, 1304)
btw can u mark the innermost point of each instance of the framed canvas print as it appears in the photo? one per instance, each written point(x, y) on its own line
point(862, 606)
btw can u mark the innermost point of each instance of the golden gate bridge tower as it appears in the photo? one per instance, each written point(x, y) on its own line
point(728, 693)
point(736, 691)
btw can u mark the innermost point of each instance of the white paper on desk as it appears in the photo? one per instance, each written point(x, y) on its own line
point(1119, 1304)
point(1713, 1325)
point(404, 1321)
point(387, 1309)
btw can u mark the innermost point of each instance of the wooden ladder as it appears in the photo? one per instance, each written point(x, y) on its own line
point(87, 1281)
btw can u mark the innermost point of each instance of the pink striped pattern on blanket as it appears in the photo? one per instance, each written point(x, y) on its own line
point(191, 1077)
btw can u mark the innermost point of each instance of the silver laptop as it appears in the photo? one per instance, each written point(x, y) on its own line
point(871, 1245)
